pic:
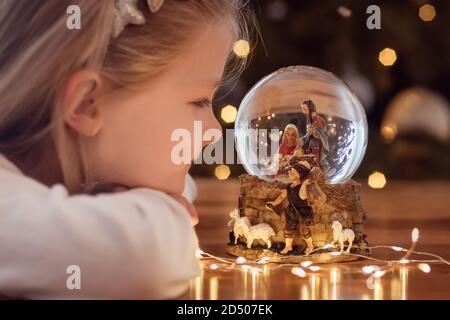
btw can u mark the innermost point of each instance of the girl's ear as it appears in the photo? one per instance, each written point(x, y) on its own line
point(80, 102)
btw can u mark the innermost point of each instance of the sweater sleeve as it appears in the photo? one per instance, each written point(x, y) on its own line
point(138, 244)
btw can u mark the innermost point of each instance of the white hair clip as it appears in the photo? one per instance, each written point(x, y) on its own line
point(126, 12)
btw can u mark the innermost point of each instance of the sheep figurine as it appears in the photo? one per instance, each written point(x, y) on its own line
point(340, 236)
point(242, 227)
point(238, 224)
point(262, 231)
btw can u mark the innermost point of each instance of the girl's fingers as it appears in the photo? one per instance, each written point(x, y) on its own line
point(189, 206)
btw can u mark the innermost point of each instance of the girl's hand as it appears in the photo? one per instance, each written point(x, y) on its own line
point(115, 188)
point(188, 205)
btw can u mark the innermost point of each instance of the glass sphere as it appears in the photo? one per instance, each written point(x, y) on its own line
point(301, 110)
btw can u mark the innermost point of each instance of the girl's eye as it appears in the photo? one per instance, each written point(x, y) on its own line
point(204, 103)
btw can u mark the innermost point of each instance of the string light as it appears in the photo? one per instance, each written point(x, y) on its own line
point(222, 172)
point(214, 266)
point(387, 57)
point(415, 235)
point(298, 272)
point(241, 260)
point(376, 180)
point(369, 269)
point(241, 48)
point(246, 267)
point(389, 132)
point(379, 273)
point(424, 267)
point(427, 12)
point(344, 12)
point(228, 114)
point(404, 261)
point(374, 271)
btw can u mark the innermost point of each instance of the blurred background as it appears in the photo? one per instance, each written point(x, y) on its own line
point(400, 73)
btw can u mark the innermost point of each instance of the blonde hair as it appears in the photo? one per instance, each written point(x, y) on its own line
point(38, 54)
point(290, 126)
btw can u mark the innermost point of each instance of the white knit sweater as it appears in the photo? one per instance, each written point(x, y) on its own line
point(139, 244)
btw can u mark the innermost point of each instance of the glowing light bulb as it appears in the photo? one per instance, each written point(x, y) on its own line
point(314, 268)
point(404, 261)
point(379, 274)
point(246, 267)
point(427, 12)
point(241, 260)
point(214, 266)
point(241, 48)
point(368, 269)
point(415, 235)
point(255, 271)
point(228, 114)
point(389, 132)
point(387, 57)
point(397, 248)
point(424, 267)
point(306, 264)
point(298, 272)
point(376, 180)
point(222, 172)
point(335, 253)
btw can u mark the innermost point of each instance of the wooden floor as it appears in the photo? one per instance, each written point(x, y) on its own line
point(392, 213)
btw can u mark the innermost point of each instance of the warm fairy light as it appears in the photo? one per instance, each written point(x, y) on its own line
point(368, 269)
point(344, 12)
point(269, 117)
point(246, 267)
point(404, 261)
point(415, 235)
point(376, 180)
point(241, 48)
point(335, 253)
point(397, 248)
point(222, 172)
point(264, 260)
point(273, 115)
point(199, 253)
point(427, 12)
point(306, 264)
point(379, 274)
point(228, 114)
point(424, 267)
point(255, 270)
point(214, 266)
point(387, 57)
point(389, 132)
point(314, 268)
point(241, 260)
point(298, 272)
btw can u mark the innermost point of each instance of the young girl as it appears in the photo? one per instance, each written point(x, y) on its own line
point(97, 107)
point(290, 141)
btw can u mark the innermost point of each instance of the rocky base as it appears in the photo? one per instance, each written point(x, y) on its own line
point(322, 256)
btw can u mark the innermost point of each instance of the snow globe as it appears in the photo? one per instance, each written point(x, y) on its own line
point(300, 134)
